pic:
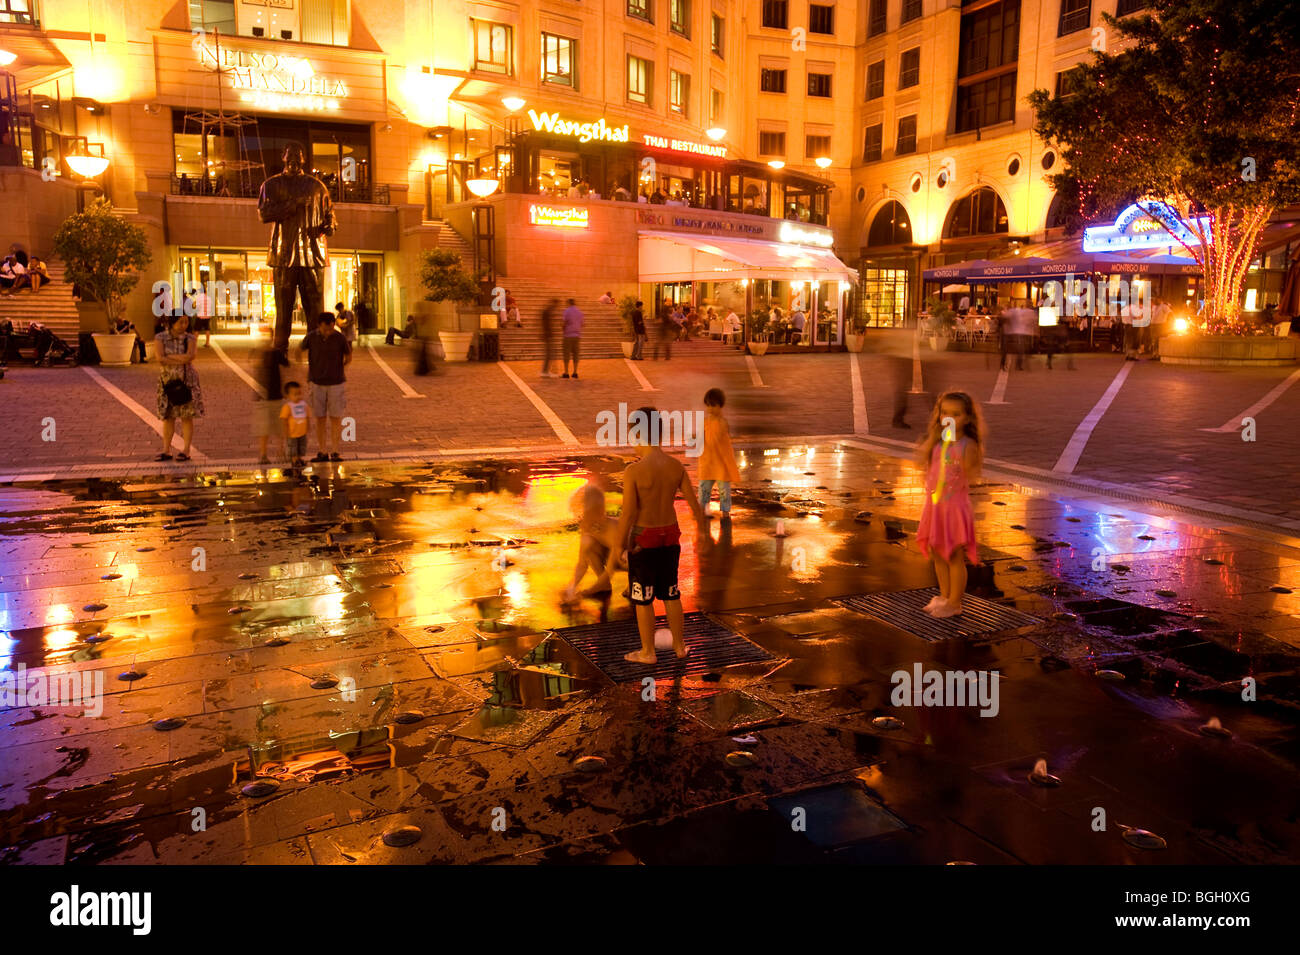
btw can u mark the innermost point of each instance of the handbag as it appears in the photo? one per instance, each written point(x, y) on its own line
point(177, 392)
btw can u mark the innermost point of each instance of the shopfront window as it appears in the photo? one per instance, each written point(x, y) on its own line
point(206, 162)
point(557, 173)
point(882, 294)
point(493, 47)
point(559, 59)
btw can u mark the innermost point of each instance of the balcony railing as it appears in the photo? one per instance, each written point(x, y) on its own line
point(221, 188)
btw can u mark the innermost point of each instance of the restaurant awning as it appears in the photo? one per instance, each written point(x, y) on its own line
point(683, 257)
point(1057, 260)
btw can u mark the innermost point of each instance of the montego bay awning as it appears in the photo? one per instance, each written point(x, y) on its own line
point(1036, 268)
point(682, 257)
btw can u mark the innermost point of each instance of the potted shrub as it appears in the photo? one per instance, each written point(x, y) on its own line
point(626, 306)
point(449, 286)
point(942, 320)
point(759, 320)
point(103, 256)
point(855, 339)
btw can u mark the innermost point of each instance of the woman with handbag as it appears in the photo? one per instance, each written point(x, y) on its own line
point(179, 395)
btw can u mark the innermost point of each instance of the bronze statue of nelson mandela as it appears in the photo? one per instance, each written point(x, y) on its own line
point(300, 206)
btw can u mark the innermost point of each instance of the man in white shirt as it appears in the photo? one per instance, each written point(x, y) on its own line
point(607, 299)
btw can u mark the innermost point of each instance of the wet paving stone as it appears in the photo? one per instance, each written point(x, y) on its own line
point(473, 708)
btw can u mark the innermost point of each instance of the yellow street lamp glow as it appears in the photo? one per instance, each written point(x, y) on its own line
point(715, 133)
point(822, 162)
point(6, 57)
point(1181, 325)
point(776, 163)
point(88, 167)
point(482, 187)
point(513, 103)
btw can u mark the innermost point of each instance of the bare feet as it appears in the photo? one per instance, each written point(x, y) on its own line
point(681, 652)
point(636, 656)
point(946, 610)
point(933, 604)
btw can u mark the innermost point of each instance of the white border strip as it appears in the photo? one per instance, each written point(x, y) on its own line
point(1234, 423)
point(1069, 458)
point(230, 363)
point(1000, 387)
point(860, 425)
point(561, 430)
point(407, 390)
point(131, 405)
point(637, 374)
point(755, 378)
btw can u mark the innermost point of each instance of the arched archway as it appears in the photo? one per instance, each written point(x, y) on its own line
point(891, 225)
point(979, 212)
point(1055, 219)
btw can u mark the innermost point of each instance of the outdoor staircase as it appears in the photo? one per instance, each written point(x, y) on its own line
point(53, 306)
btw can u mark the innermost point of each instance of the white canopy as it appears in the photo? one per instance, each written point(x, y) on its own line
point(683, 257)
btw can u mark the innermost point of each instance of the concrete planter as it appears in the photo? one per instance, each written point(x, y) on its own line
point(456, 344)
point(855, 343)
point(1258, 350)
point(628, 348)
point(938, 343)
point(758, 348)
point(114, 350)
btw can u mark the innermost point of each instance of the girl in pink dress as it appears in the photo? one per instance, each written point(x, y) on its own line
point(953, 449)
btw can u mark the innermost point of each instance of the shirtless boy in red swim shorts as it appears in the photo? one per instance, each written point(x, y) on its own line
point(650, 486)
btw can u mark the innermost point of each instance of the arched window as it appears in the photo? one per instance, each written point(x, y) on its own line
point(1055, 220)
point(891, 226)
point(978, 213)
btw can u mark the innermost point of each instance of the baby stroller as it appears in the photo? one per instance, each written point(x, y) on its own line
point(49, 346)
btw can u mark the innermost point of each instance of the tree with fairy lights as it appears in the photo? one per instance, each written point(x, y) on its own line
point(1198, 108)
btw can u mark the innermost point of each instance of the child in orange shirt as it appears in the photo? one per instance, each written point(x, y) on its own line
point(718, 460)
point(296, 416)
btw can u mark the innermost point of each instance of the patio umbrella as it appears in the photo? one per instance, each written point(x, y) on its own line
point(955, 288)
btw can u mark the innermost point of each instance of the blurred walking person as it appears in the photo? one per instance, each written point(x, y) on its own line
point(573, 319)
point(548, 337)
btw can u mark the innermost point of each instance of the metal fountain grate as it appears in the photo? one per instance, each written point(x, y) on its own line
point(712, 647)
point(904, 609)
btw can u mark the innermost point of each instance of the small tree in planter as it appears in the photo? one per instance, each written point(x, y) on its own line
point(451, 285)
point(942, 320)
point(760, 319)
point(103, 256)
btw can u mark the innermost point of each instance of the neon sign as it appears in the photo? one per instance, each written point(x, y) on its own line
point(1147, 225)
point(583, 132)
point(563, 217)
point(275, 82)
point(685, 146)
point(798, 235)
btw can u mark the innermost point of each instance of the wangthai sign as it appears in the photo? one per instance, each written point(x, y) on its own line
point(582, 132)
point(564, 217)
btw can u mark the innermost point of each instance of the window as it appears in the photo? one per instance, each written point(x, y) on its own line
point(891, 226)
point(679, 16)
point(716, 104)
point(493, 47)
point(911, 11)
point(876, 18)
point(814, 146)
point(640, 79)
point(716, 35)
point(989, 38)
point(984, 104)
point(980, 213)
point(771, 144)
point(876, 80)
point(872, 142)
point(319, 21)
point(208, 14)
point(1075, 15)
point(641, 9)
point(819, 84)
point(1125, 7)
point(776, 14)
point(906, 142)
point(909, 68)
point(1067, 83)
point(821, 18)
point(559, 59)
point(772, 81)
point(679, 91)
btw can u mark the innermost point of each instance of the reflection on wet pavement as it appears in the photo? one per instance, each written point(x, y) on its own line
point(322, 664)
